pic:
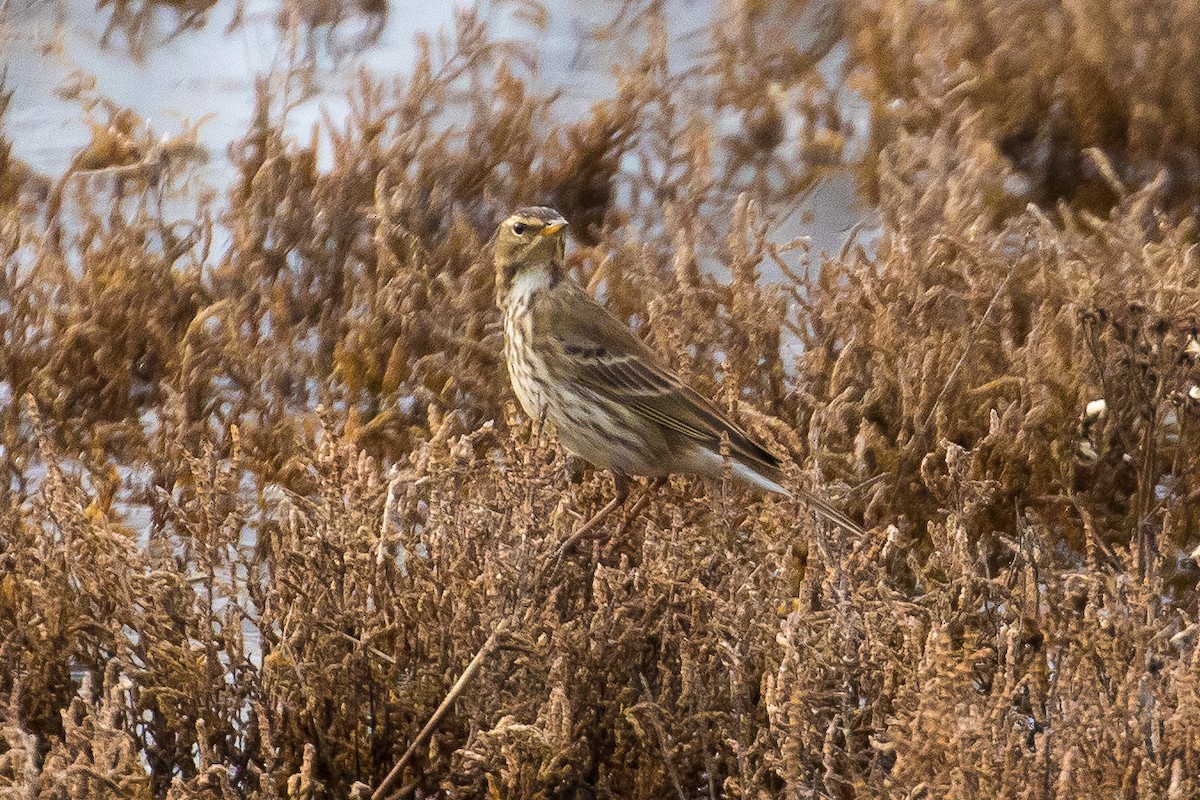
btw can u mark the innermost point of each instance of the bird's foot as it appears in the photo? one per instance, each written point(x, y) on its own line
point(588, 528)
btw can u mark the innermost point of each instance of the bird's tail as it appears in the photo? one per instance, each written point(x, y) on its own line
point(823, 508)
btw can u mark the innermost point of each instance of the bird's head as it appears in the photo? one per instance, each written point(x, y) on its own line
point(530, 243)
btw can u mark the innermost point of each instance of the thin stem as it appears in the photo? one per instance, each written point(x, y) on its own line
point(459, 685)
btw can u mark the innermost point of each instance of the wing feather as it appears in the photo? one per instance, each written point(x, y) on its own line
point(601, 353)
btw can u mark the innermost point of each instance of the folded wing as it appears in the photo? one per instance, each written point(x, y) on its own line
point(602, 354)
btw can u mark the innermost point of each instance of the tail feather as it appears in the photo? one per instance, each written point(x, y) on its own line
point(823, 508)
point(762, 478)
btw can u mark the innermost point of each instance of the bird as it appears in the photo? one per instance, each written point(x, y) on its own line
point(610, 398)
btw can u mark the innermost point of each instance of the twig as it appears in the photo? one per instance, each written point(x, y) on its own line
point(662, 740)
point(484, 651)
point(971, 339)
point(373, 650)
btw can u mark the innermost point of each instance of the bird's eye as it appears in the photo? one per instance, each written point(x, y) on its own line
point(519, 228)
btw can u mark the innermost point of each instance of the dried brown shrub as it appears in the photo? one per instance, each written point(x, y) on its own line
point(261, 506)
point(1047, 81)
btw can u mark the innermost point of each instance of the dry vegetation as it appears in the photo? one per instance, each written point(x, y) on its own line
point(341, 505)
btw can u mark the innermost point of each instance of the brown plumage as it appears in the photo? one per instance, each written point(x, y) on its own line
point(611, 399)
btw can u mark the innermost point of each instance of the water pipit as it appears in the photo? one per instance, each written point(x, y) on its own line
point(610, 398)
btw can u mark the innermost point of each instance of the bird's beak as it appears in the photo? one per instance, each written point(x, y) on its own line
point(554, 227)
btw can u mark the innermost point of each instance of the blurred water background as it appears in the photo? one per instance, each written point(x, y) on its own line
point(174, 74)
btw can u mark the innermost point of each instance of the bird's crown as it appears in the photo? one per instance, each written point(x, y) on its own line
point(538, 214)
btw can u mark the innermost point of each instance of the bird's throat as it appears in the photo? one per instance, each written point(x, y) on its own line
point(529, 281)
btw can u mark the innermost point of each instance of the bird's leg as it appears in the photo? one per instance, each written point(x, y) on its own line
point(622, 486)
point(539, 422)
point(654, 486)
